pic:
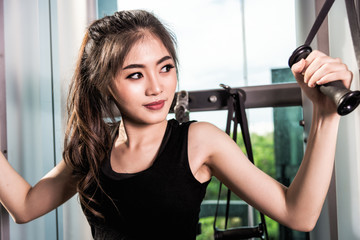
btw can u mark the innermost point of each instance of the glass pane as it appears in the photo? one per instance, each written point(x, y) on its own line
point(209, 36)
point(217, 44)
point(270, 37)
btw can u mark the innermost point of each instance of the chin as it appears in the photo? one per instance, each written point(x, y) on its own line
point(147, 119)
point(155, 119)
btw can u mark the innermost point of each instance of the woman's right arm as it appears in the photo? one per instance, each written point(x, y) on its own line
point(24, 202)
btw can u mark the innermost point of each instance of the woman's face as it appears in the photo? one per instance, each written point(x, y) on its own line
point(145, 85)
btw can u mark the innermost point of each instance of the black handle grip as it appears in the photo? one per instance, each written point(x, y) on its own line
point(239, 233)
point(345, 99)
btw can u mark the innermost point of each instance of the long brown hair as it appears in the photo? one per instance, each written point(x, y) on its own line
point(88, 137)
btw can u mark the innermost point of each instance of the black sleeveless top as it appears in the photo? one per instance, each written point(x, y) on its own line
point(161, 202)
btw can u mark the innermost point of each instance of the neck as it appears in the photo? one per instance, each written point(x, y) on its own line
point(135, 135)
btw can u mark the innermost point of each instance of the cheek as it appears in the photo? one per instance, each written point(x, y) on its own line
point(126, 93)
point(173, 83)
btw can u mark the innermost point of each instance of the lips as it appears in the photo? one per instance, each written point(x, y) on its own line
point(157, 105)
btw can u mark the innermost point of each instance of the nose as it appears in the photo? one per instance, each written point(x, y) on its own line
point(154, 86)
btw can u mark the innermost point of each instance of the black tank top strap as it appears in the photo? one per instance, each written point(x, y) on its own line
point(175, 143)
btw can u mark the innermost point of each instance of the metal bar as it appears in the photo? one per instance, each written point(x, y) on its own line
point(274, 95)
point(4, 216)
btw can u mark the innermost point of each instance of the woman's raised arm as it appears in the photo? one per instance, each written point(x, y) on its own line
point(298, 206)
point(24, 202)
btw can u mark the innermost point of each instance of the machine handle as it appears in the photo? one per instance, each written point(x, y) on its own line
point(346, 100)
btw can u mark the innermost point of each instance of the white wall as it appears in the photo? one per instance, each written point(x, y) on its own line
point(347, 165)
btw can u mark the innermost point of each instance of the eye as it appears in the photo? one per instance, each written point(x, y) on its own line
point(136, 75)
point(167, 68)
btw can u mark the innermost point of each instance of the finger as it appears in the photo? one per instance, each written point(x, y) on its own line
point(310, 59)
point(298, 69)
point(319, 65)
point(317, 74)
point(345, 76)
point(313, 55)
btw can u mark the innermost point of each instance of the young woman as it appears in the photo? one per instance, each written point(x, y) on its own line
point(145, 177)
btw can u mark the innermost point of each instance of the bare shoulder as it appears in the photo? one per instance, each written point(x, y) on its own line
point(204, 129)
point(207, 135)
point(205, 139)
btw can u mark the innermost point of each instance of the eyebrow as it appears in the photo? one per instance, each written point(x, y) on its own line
point(143, 66)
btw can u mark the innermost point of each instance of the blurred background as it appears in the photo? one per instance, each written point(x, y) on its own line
point(239, 43)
